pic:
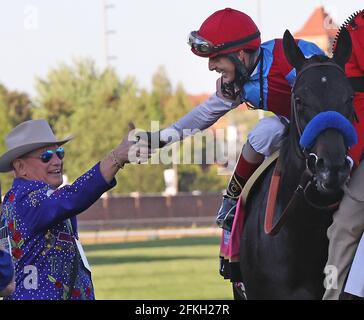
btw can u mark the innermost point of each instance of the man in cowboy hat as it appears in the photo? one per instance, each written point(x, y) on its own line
point(41, 218)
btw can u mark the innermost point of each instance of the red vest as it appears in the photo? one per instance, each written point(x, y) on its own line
point(355, 68)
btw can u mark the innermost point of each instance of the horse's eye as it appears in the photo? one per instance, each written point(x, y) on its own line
point(299, 104)
point(297, 100)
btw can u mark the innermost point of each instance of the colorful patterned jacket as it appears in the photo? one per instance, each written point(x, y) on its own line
point(43, 231)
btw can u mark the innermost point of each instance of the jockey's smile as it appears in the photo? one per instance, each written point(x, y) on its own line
point(223, 65)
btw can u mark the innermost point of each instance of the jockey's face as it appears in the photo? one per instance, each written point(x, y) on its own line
point(31, 167)
point(223, 65)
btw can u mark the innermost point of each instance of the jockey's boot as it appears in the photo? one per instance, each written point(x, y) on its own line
point(242, 172)
point(239, 291)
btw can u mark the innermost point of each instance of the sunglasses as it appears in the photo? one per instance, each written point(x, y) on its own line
point(47, 155)
point(206, 48)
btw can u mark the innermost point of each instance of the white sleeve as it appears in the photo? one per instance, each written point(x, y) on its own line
point(201, 117)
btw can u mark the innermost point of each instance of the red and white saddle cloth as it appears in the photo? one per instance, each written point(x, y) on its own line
point(230, 245)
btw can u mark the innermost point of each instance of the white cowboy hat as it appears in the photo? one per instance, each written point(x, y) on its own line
point(26, 137)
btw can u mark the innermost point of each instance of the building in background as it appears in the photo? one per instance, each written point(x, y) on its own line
point(320, 29)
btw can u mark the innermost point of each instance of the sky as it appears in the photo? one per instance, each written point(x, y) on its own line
point(38, 35)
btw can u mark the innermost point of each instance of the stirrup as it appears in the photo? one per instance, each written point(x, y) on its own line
point(227, 223)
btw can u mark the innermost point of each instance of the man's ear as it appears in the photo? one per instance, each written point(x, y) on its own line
point(19, 167)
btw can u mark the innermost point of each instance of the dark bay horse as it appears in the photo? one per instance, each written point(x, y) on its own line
point(290, 264)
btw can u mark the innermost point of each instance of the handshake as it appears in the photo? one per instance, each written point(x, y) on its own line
point(137, 147)
point(152, 139)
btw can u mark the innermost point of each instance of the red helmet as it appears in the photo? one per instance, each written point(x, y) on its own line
point(223, 32)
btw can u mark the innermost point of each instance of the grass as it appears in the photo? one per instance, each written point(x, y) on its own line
point(177, 269)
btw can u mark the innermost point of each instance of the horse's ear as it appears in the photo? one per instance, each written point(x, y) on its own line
point(293, 53)
point(342, 51)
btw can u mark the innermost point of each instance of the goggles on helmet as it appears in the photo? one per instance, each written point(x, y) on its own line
point(205, 48)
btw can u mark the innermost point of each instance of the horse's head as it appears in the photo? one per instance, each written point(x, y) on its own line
point(322, 112)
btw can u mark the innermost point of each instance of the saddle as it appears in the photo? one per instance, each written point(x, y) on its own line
point(230, 241)
point(257, 173)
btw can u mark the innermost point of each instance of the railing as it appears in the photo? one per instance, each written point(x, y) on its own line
point(145, 211)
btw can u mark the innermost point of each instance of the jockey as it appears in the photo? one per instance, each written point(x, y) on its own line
point(257, 74)
point(252, 73)
point(348, 221)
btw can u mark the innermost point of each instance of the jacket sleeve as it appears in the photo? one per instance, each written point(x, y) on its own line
point(41, 207)
point(201, 117)
point(355, 66)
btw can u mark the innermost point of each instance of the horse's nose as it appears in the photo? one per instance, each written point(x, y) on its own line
point(332, 174)
point(324, 164)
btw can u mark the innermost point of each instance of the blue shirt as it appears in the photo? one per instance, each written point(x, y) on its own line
point(277, 79)
point(43, 230)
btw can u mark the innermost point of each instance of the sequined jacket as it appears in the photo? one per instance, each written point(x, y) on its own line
point(43, 231)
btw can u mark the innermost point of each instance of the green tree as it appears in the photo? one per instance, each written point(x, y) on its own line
point(15, 107)
point(70, 87)
point(159, 96)
point(176, 106)
point(5, 127)
point(96, 107)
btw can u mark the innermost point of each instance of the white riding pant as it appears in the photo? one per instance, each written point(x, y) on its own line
point(266, 137)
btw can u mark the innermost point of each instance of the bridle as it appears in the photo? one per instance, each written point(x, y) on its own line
point(303, 153)
point(294, 99)
point(308, 175)
point(310, 158)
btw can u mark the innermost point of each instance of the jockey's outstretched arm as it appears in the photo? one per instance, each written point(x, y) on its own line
point(200, 118)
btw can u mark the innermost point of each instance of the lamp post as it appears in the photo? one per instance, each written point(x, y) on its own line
point(107, 32)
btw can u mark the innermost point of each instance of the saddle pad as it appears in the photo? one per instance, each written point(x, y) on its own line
point(257, 173)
